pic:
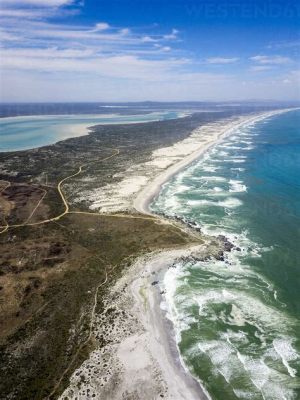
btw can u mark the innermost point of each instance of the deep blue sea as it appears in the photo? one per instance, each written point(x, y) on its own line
point(237, 321)
point(25, 132)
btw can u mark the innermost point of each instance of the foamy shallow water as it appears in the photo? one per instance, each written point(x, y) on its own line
point(237, 320)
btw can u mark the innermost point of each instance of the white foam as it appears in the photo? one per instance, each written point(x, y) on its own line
point(236, 287)
point(219, 352)
point(283, 347)
point(237, 317)
point(237, 186)
point(231, 202)
point(213, 296)
point(170, 283)
point(208, 168)
point(244, 394)
point(209, 178)
point(231, 147)
point(246, 142)
point(268, 382)
point(222, 153)
point(238, 169)
point(248, 148)
point(182, 188)
point(235, 160)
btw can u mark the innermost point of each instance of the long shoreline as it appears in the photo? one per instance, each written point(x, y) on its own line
point(146, 360)
point(145, 197)
point(155, 319)
point(161, 339)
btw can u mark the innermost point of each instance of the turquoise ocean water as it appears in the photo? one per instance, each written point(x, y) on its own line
point(20, 133)
point(237, 321)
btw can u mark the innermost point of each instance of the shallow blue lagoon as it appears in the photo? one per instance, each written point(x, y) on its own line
point(20, 133)
point(237, 320)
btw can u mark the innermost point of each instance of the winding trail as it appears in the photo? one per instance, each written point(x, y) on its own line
point(60, 183)
point(6, 227)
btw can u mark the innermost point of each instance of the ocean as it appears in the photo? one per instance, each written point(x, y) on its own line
point(26, 132)
point(237, 320)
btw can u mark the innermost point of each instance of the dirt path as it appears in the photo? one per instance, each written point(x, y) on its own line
point(65, 202)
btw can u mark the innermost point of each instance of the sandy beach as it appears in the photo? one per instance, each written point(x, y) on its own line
point(144, 198)
point(142, 360)
point(134, 188)
point(159, 333)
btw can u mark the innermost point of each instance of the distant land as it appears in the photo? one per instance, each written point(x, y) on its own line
point(56, 108)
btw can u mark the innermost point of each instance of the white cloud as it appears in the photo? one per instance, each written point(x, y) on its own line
point(221, 60)
point(38, 9)
point(157, 38)
point(9, 37)
point(276, 60)
point(21, 13)
point(148, 39)
point(48, 53)
point(40, 33)
point(172, 35)
point(125, 31)
point(38, 3)
point(261, 68)
point(74, 61)
point(29, 86)
point(62, 33)
point(285, 44)
point(101, 26)
point(46, 61)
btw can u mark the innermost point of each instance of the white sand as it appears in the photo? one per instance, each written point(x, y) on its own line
point(141, 360)
point(74, 130)
point(139, 184)
point(158, 336)
point(210, 137)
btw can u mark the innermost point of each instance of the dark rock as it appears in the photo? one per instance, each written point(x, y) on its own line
point(227, 245)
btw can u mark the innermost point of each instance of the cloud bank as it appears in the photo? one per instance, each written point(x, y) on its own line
point(45, 58)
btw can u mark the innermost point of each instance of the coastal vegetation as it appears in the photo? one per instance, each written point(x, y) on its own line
point(58, 260)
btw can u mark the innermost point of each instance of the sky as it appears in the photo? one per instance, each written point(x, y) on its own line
point(159, 50)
